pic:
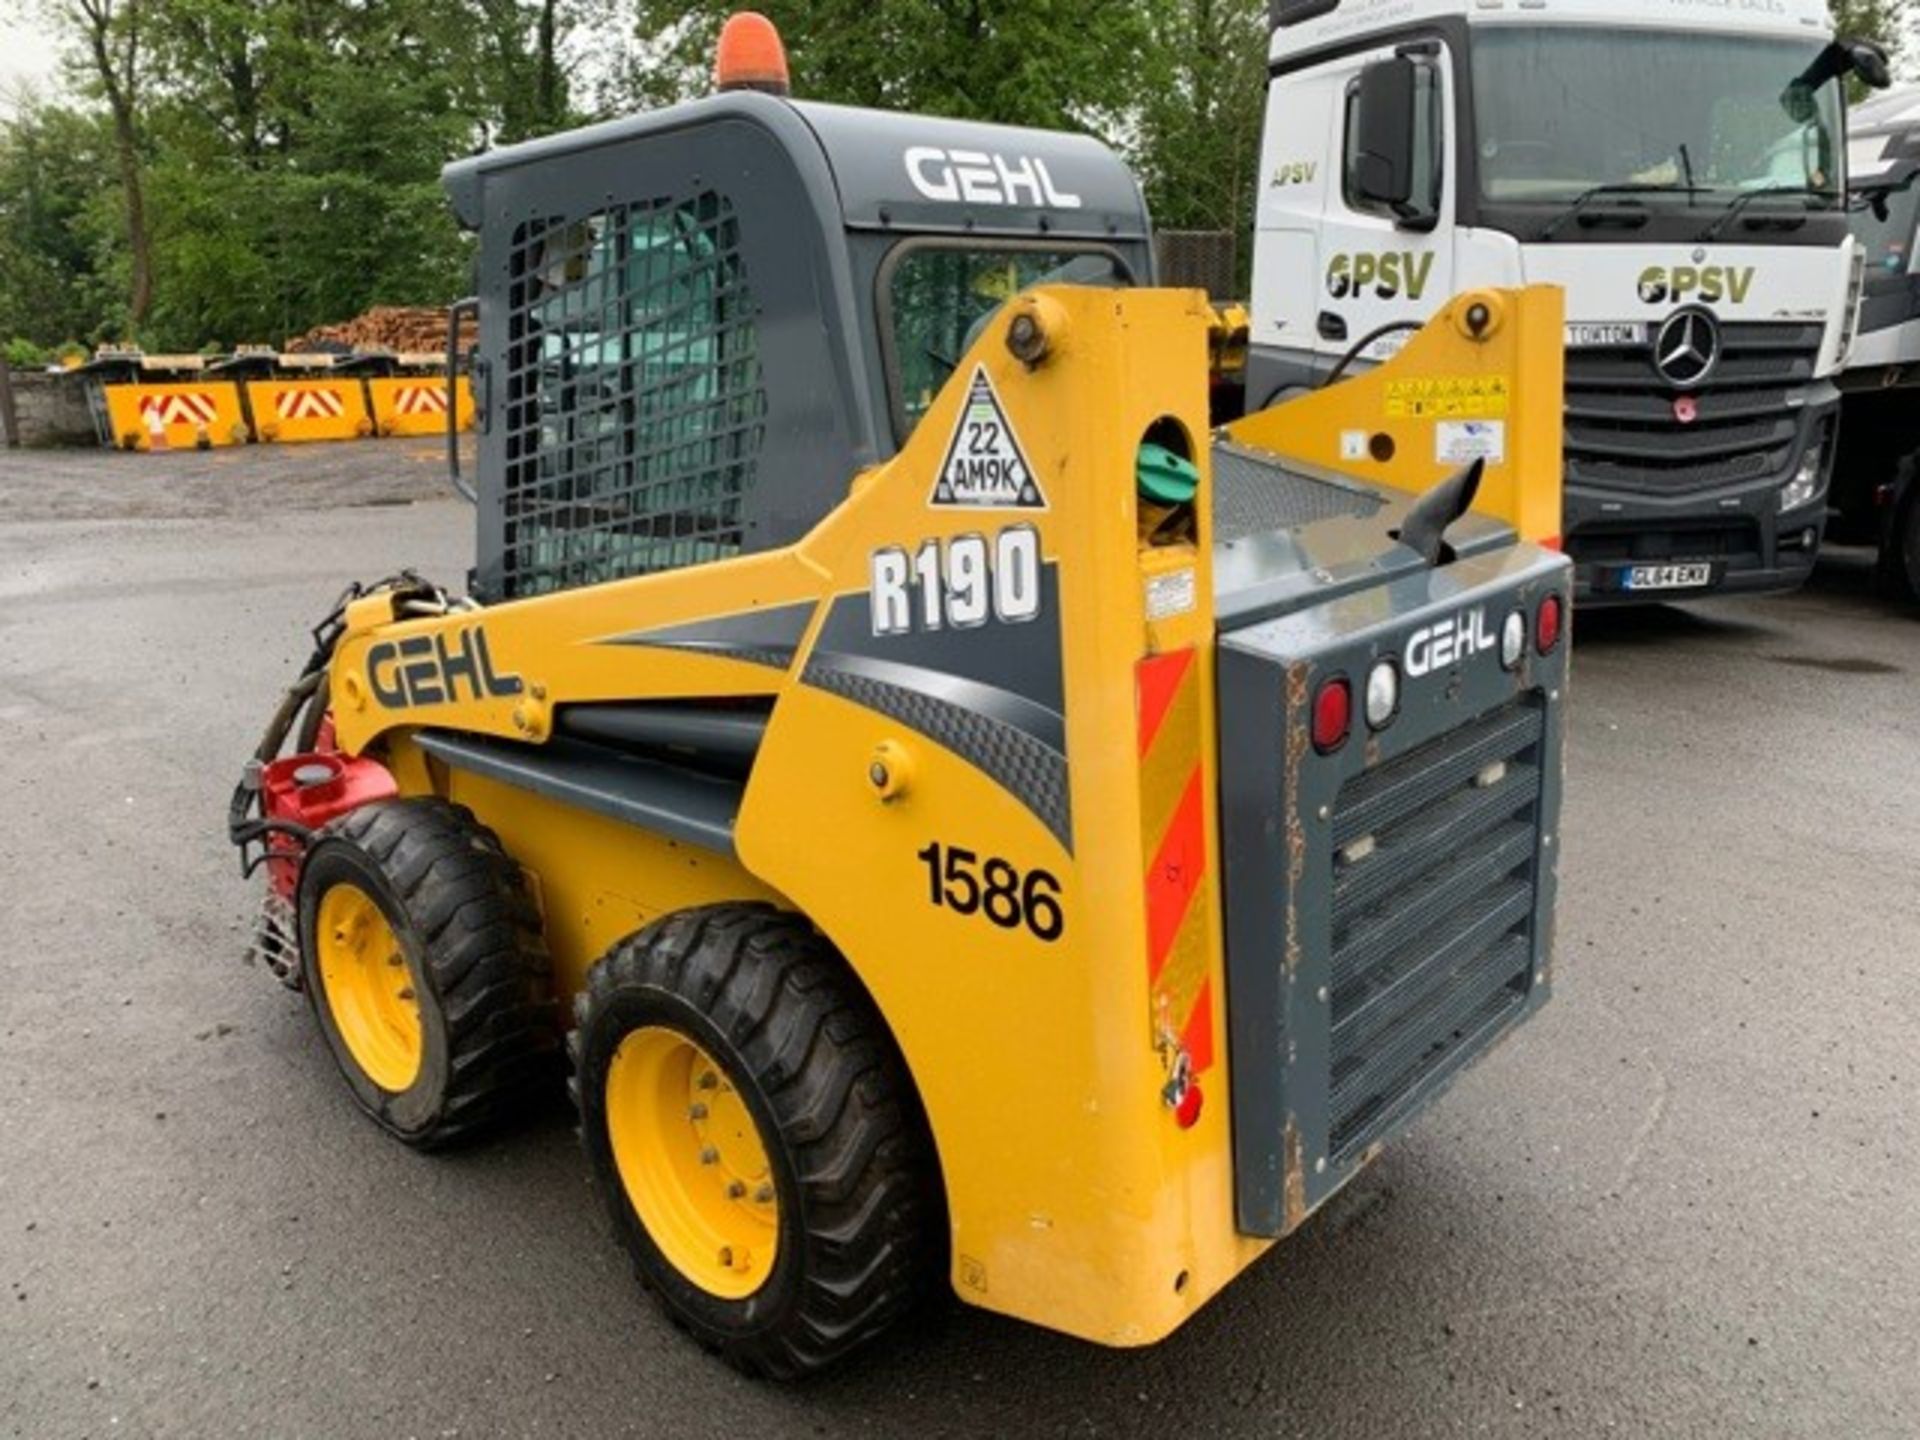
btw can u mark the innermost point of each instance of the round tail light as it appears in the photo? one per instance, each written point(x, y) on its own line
point(1383, 694)
point(1546, 624)
point(1332, 714)
point(1513, 640)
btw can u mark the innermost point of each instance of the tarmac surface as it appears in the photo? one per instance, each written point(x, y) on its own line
point(1681, 1202)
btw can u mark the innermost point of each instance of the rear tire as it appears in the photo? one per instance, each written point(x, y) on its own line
point(1900, 544)
point(814, 1129)
point(425, 966)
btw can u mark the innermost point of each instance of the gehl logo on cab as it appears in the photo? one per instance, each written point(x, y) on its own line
point(1709, 283)
point(430, 670)
point(1390, 275)
point(977, 177)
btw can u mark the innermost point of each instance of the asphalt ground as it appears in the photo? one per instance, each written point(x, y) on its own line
point(1681, 1202)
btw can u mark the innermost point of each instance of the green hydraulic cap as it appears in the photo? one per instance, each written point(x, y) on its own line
point(1165, 477)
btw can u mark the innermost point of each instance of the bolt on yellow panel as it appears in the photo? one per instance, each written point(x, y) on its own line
point(199, 414)
point(299, 410)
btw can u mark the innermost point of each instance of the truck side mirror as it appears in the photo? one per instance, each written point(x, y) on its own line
point(1868, 60)
point(1386, 141)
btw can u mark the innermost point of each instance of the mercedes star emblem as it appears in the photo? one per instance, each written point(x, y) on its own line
point(1686, 347)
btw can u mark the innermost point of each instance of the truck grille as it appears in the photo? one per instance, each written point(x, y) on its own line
point(1621, 433)
point(1433, 901)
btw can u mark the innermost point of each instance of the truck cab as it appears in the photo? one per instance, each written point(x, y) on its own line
point(1679, 169)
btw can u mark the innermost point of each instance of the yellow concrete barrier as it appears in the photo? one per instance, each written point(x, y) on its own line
point(417, 405)
point(291, 411)
point(199, 414)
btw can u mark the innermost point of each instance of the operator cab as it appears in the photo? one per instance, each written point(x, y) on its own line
point(696, 325)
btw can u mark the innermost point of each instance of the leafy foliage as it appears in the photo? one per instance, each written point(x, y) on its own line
point(270, 165)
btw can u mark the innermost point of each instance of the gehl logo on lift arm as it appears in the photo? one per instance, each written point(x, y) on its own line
point(433, 670)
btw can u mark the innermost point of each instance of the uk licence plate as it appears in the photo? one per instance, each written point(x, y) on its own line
point(1688, 576)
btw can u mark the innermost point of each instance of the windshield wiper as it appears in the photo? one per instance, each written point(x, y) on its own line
point(1747, 197)
point(1616, 187)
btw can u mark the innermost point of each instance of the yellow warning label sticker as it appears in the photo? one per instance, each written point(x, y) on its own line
point(1448, 397)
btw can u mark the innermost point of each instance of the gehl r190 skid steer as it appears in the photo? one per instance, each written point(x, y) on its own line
point(965, 812)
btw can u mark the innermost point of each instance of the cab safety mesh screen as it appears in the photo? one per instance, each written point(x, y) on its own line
point(634, 407)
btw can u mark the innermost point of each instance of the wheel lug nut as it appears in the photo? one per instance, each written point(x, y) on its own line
point(709, 1156)
point(708, 1080)
point(735, 1190)
point(406, 993)
point(764, 1195)
point(396, 960)
point(696, 1111)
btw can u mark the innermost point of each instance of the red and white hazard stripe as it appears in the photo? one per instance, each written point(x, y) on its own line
point(420, 400)
point(309, 405)
point(186, 408)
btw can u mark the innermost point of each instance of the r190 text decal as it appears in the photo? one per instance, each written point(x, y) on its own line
point(957, 583)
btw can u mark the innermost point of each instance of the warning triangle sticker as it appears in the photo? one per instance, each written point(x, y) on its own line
point(985, 468)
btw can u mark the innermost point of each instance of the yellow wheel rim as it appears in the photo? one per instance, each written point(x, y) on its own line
point(692, 1162)
point(368, 988)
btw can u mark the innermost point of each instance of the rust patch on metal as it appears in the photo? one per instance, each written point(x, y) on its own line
point(1294, 1179)
point(1297, 742)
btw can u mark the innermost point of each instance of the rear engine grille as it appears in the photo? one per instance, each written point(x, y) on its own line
point(1622, 433)
point(1433, 900)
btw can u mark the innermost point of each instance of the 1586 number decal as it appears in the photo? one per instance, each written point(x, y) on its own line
point(961, 881)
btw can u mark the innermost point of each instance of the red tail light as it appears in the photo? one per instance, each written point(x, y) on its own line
point(1332, 714)
point(1546, 624)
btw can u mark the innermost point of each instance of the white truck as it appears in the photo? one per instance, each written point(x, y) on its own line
point(1678, 166)
point(1876, 487)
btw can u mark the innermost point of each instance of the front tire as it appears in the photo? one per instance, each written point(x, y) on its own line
point(424, 963)
point(755, 1137)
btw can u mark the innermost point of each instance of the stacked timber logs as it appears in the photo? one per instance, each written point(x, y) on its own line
point(384, 327)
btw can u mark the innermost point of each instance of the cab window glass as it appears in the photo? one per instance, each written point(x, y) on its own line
point(939, 298)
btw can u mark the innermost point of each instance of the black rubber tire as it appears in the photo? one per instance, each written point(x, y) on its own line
point(861, 1228)
point(1899, 568)
point(472, 941)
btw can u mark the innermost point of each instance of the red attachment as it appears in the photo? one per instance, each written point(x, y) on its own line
point(1546, 625)
point(310, 790)
point(1332, 714)
point(1187, 1112)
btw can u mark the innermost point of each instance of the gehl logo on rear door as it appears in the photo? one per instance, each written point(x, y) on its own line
point(435, 669)
point(1445, 642)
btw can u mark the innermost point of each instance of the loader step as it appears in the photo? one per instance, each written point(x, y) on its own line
point(694, 808)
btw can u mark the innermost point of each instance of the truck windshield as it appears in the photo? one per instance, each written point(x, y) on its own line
point(938, 298)
point(1888, 243)
point(1562, 110)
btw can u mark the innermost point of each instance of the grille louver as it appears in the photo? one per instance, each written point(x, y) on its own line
point(1433, 886)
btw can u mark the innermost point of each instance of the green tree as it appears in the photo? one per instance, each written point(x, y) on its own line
point(1198, 141)
point(1063, 63)
point(58, 225)
point(1881, 20)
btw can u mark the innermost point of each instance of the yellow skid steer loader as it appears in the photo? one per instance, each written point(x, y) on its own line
point(966, 815)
